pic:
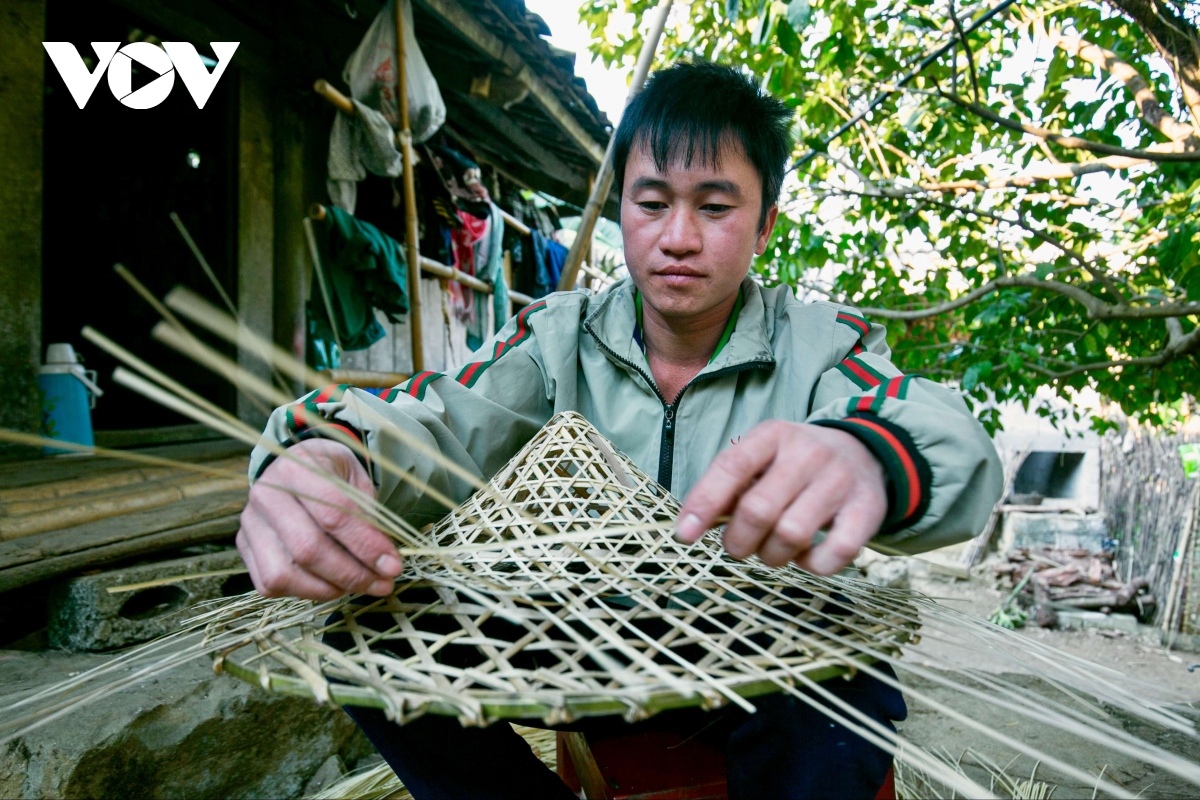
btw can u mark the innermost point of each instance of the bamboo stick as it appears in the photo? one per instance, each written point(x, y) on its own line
point(410, 200)
point(604, 178)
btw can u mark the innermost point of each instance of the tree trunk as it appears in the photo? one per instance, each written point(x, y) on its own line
point(1176, 39)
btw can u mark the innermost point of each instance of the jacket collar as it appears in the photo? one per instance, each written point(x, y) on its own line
point(614, 325)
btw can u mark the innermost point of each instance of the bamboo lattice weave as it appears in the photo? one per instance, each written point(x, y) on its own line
point(593, 609)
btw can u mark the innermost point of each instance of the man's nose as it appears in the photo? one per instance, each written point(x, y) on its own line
point(681, 233)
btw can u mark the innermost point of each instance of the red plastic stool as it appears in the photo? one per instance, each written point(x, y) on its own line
point(659, 765)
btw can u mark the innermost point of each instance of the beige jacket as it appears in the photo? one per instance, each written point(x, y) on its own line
point(780, 359)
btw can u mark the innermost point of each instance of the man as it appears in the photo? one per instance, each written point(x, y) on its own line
point(787, 417)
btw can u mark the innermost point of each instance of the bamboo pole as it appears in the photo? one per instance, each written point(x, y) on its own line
point(604, 178)
point(410, 200)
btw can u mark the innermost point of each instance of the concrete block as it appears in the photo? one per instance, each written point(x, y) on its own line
point(83, 615)
point(1055, 531)
point(1081, 620)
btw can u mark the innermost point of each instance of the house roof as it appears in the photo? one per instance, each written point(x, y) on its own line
point(513, 98)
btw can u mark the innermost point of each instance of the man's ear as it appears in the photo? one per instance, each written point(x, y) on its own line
point(764, 235)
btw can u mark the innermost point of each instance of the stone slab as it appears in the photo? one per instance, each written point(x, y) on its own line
point(1081, 620)
point(1054, 531)
point(83, 615)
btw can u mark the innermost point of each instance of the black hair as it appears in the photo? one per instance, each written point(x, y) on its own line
point(693, 107)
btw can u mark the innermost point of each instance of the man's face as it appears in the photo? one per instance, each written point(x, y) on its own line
point(691, 233)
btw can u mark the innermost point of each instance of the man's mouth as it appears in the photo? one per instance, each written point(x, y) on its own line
point(679, 271)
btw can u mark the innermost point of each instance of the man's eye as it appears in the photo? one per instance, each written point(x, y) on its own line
point(652, 205)
point(715, 208)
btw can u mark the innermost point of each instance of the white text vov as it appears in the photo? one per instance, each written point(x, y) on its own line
point(172, 57)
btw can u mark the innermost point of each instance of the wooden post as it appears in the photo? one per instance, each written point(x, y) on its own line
point(410, 202)
point(604, 178)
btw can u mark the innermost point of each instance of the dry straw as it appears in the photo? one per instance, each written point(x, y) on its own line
point(556, 591)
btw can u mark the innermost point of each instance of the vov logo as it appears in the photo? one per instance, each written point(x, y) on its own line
point(165, 61)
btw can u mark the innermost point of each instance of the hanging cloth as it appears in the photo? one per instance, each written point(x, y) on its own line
point(489, 266)
point(358, 144)
point(364, 269)
point(473, 229)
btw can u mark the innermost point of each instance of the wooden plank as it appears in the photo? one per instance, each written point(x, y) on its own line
point(211, 530)
point(458, 18)
point(72, 467)
point(115, 530)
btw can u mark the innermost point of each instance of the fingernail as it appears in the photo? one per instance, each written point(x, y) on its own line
point(690, 528)
point(381, 588)
point(388, 565)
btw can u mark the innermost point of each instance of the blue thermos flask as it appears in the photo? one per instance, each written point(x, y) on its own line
point(69, 394)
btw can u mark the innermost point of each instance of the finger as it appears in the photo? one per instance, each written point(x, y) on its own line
point(278, 575)
point(341, 515)
point(730, 472)
point(760, 507)
point(798, 524)
point(314, 551)
point(852, 528)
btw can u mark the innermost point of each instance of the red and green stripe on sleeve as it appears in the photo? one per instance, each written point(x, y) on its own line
point(304, 421)
point(908, 474)
point(895, 388)
point(470, 374)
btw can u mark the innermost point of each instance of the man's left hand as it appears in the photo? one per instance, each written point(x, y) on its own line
point(783, 482)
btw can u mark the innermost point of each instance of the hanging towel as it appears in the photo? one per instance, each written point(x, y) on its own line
point(364, 269)
point(465, 237)
point(358, 144)
point(489, 266)
point(549, 257)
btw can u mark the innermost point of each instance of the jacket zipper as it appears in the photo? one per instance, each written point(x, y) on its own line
point(666, 452)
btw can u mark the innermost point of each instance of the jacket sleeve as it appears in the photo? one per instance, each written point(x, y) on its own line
point(943, 473)
point(478, 418)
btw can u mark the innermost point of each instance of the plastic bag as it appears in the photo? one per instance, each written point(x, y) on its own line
point(371, 75)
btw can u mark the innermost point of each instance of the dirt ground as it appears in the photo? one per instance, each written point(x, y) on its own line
point(1140, 657)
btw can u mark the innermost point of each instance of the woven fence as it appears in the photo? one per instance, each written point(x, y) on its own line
point(1152, 510)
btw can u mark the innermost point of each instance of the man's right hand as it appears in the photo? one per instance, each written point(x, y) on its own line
point(298, 547)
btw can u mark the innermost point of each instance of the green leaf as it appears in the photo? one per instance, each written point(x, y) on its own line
point(799, 13)
point(975, 374)
point(789, 42)
point(733, 8)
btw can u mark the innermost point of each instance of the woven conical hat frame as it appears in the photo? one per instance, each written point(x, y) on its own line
point(605, 614)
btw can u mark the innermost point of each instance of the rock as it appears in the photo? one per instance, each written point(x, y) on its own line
point(891, 573)
point(83, 615)
point(327, 774)
point(187, 733)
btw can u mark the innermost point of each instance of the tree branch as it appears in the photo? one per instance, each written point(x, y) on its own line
point(1178, 345)
point(1176, 39)
point(1094, 306)
point(1152, 112)
point(1152, 153)
point(966, 46)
